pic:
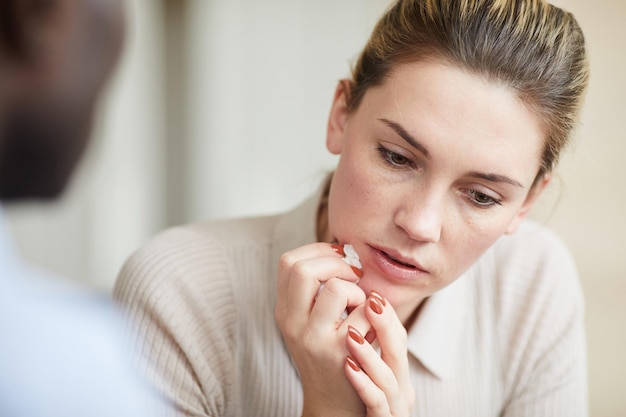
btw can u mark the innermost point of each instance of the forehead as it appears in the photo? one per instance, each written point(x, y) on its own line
point(449, 109)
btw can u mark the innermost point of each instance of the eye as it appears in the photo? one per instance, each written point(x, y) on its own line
point(394, 158)
point(482, 200)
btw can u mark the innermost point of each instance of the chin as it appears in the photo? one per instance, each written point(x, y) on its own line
point(38, 160)
point(388, 290)
point(397, 295)
point(31, 189)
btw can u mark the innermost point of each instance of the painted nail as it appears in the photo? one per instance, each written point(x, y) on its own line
point(357, 271)
point(338, 249)
point(355, 335)
point(375, 294)
point(376, 305)
point(352, 363)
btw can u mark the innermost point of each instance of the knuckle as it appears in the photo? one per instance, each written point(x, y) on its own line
point(334, 286)
point(378, 403)
point(287, 260)
point(300, 270)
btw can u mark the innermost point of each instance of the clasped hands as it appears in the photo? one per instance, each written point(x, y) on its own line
point(341, 370)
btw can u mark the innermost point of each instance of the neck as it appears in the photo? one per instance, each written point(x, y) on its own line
point(409, 316)
point(323, 232)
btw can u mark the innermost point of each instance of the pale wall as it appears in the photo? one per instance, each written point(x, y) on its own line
point(591, 211)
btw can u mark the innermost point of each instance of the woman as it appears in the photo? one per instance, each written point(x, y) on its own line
point(447, 135)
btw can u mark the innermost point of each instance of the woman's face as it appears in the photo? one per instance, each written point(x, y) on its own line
point(435, 165)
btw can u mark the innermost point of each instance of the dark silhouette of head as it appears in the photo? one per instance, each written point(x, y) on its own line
point(55, 56)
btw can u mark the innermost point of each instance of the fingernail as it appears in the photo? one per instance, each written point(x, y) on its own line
point(338, 249)
point(352, 363)
point(376, 305)
point(379, 297)
point(357, 271)
point(355, 335)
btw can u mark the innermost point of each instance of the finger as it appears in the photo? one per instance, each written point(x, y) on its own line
point(391, 337)
point(390, 331)
point(304, 283)
point(310, 251)
point(371, 395)
point(287, 262)
point(356, 319)
point(376, 369)
point(333, 299)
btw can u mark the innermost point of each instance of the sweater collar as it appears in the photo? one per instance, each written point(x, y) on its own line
point(435, 336)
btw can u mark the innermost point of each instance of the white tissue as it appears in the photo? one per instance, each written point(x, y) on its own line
point(351, 258)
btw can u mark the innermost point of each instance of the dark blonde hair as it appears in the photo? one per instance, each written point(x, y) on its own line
point(531, 46)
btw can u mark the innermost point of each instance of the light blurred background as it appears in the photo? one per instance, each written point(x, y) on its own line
point(219, 108)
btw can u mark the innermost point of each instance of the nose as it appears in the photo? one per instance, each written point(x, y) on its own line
point(421, 216)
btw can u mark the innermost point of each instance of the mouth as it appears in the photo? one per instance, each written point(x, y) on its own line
point(398, 261)
point(395, 265)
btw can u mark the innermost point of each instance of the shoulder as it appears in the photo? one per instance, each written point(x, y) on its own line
point(192, 251)
point(538, 307)
point(534, 266)
point(181, 294)
point(535, 286)
point(534, 247)
point(191, 269)
point(70, 344)
point(189, 241)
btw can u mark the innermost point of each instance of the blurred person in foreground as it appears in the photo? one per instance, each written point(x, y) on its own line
point(61, 353)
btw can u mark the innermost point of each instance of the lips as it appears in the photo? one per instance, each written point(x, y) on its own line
point(398, 261)
point(395, 266)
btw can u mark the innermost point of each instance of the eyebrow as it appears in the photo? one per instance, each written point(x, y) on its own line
point(413, 142)
point(496, 178)
point(406, 136)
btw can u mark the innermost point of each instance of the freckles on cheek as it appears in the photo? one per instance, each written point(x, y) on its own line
point(472, 240)
point(354, 189)
point(349, 205)
point(368, 202)
point(361, 194)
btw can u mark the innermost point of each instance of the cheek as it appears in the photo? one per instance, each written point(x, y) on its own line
point(472, 238)
point(353, 200)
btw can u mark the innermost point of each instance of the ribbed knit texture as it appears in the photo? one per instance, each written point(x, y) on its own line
point(506, 339)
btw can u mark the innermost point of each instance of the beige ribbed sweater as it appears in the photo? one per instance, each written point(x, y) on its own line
point(506, 339)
